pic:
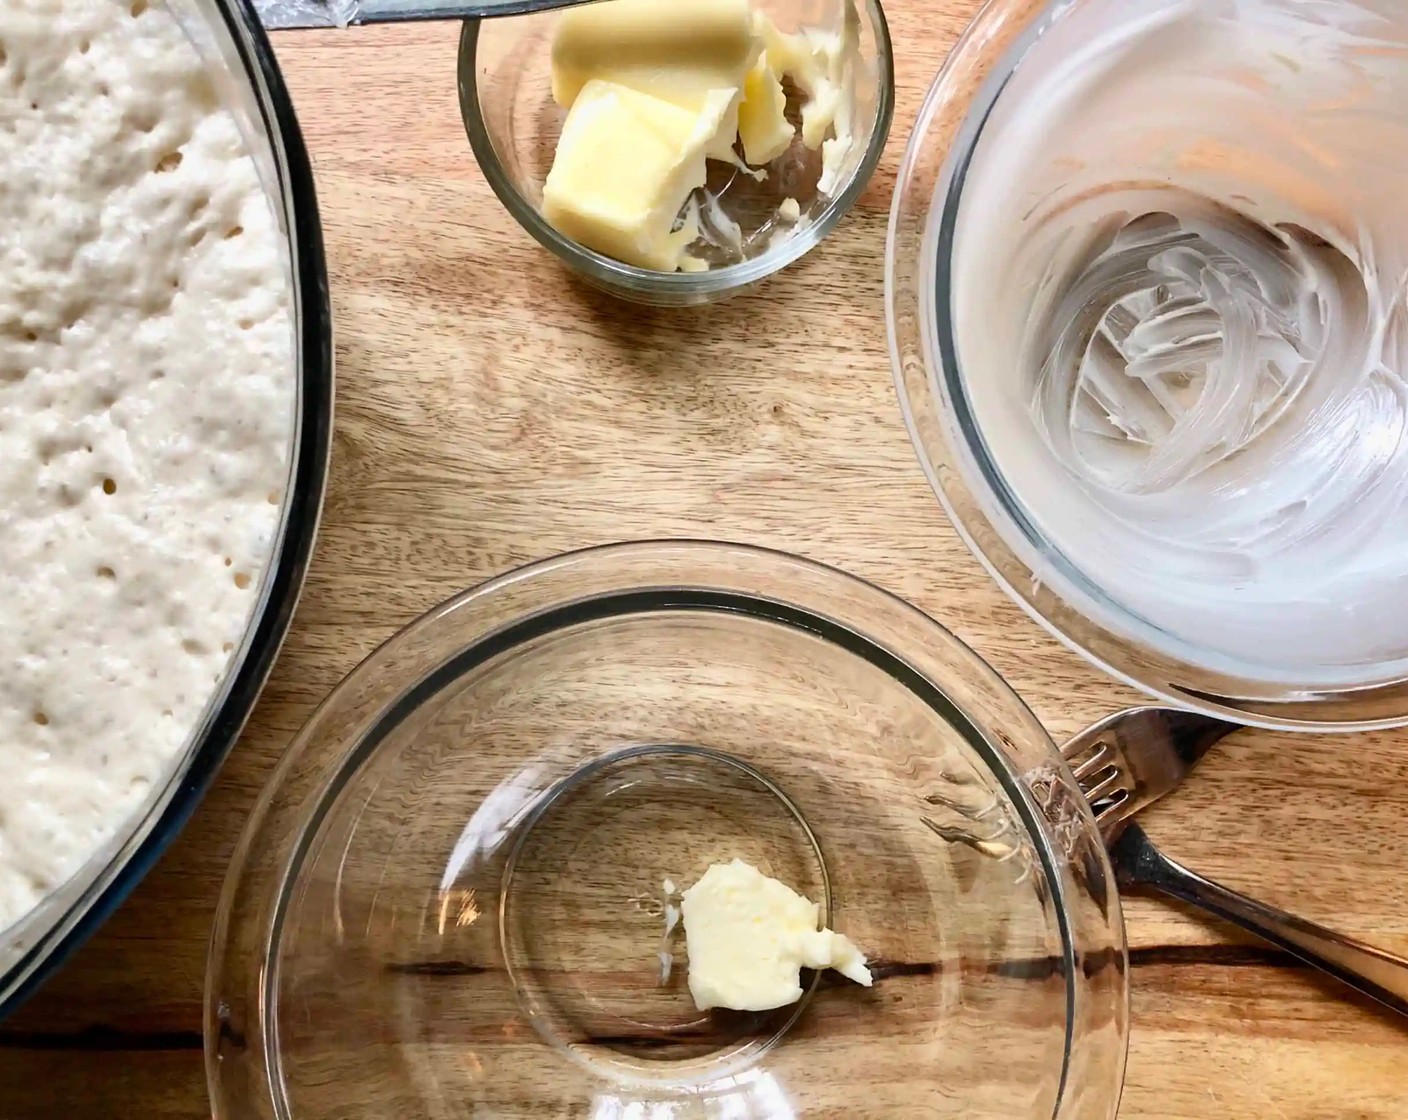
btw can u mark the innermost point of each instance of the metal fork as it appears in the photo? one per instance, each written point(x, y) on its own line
point(1130, 760)
point(1126, 762)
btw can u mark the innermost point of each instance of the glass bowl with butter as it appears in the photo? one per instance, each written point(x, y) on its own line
point(669, 830)
point(675, 152)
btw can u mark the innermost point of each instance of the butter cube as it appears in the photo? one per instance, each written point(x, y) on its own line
point(626, 164)
point(681, 51)
point(762, 121)
point(675, 49)
point(748, 937)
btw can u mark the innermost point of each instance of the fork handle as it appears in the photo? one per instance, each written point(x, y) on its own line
point(1379, 975)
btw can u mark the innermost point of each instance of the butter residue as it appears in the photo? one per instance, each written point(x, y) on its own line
point(671, 909)
point(654, 88)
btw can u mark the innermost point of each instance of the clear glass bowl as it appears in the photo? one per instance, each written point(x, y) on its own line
point(449, 900)
point(241, 61)
point(505, 89)
point(958, 457)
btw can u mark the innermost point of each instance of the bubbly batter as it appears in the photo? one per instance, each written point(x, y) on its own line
point(146, 406)
point(1179, 301)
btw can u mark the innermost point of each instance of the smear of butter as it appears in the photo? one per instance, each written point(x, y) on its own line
point(671, 909)
point(762, 121)
point(822, 62)
point(748, 937)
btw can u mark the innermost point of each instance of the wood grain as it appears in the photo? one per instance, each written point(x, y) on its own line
point(491, 411)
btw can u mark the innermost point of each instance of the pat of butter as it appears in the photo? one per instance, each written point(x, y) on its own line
point(748, 937)
point(625, 164)
point(682, 51)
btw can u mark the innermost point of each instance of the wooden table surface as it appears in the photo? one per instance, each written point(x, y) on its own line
point(491, 411)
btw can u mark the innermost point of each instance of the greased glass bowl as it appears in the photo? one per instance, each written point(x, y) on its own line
point(448, 902)
point(963, 112)
point(505, 91)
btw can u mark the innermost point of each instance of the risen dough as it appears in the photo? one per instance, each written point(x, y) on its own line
point(146, 401)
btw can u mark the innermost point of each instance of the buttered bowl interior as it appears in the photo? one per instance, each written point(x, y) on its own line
point(514, 124)
point(1147, 311)
point(449, 901)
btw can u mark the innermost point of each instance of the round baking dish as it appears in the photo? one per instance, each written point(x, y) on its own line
point(239, 56)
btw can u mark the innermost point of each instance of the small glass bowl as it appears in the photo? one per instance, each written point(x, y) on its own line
point(505, 89)
point(450, 899)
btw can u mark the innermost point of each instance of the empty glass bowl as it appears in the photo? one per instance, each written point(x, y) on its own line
point(505, 89)
point(449, 902)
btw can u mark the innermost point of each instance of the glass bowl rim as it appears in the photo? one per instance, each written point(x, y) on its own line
point(616, 600)
point(711, 282)
point(975, 497)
